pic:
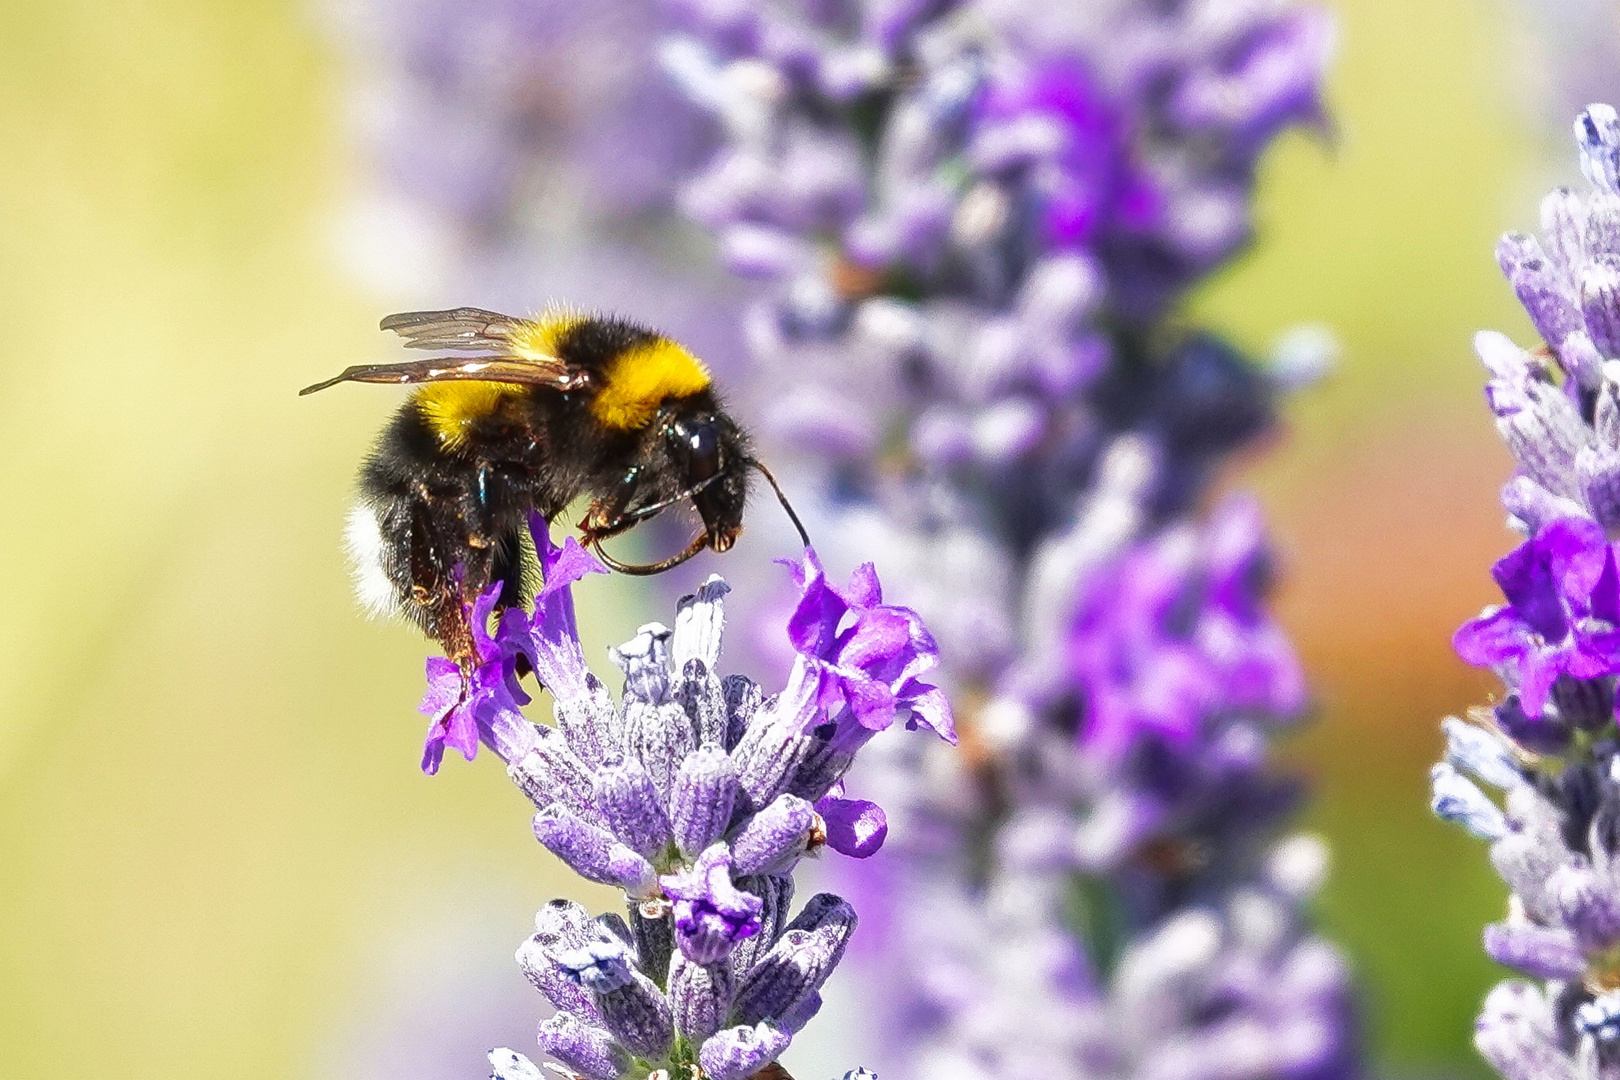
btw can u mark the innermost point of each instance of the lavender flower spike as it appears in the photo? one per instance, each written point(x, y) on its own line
point(1550, 747)
point(982, 216)
point(695, 796)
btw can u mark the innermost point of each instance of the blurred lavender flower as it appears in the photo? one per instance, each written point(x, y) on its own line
point(973, 221)
point(497, 115)
point(1550, 746)
point(696, 796)
point(1567, 53)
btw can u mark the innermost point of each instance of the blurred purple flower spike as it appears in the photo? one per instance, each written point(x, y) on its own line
point(973, 221)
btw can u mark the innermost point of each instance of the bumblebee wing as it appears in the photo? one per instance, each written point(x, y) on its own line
point(455, 328)
point(466, 328)
point(543, 372)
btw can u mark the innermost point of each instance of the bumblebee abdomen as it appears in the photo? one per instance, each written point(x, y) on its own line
point(454, 411)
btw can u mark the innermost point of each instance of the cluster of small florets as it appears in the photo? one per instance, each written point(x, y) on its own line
point(1549, 746)
point(695, 795)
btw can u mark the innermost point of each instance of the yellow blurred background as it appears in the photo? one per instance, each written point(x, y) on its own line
point(217, 857)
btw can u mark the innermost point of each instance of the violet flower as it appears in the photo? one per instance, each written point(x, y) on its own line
point(1561, 617)
point(697, 796)
point(1550, 746)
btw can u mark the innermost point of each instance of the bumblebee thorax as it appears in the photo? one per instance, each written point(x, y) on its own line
point(635, 383)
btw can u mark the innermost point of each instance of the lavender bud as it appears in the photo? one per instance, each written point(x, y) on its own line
point(594, 854)
point(543, 972)
point(1545, 435)
point(644, 659)
point(1543, 951)
point(699, 620)
point(1563, 224)
point(1544, 734)
point(774, 838)
point(1587, 904)
point(600, 966)
point(661, 737)
point(508, 1064)
point(1515, 249)
point(704, 792)
point(776, 895)
point(831, 918)
point(1599, 473)
point(1597, 133)
point(794, 1020)
point(1502, 358)
point(638, 1016)
point(1546, 299)
point(1602, 225)
point(1600, 304)
point(585, 1049)
point(795, 967)
point(1534, 505)
point(1531, 851)
point(1479, 752)
point(565, 924)
point(1588, 704)
point(655, 941)
point(739, 1052)
point(551, 773)
point(701, 695)
point(769, 754)
point(1457, 800)
point(1579, 357)
point(700, 996)
point(630, 806)
point(588, 721)
point(743, 699)
point(1516, 1033)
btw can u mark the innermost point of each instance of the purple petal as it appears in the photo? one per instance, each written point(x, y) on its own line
point(930, 707)
point(855, 827)
point(1537, 672)
point(1495, 638)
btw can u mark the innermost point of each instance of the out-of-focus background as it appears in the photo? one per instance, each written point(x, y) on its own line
point(217, 856)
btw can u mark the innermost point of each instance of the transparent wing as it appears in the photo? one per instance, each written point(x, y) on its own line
point(467, 329)
point(456, 328)
point(556, 375)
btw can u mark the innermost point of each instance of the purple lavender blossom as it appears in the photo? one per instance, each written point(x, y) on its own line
point(696, 796)
point(1562, 617)
point(484, 113)
point(1550, 746)
point(1177, 635)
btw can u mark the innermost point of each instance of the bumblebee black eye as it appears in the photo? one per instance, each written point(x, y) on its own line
point(698, 442)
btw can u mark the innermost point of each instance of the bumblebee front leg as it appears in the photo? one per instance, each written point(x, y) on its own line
point(601, 524)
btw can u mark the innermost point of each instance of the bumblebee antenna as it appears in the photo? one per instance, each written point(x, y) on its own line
point(699, 542)
point(781, 498)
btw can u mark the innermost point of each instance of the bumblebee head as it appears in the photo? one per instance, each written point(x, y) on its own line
point(711, 457)
point(694, 452)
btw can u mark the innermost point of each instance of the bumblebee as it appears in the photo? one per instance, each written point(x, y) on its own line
point(540, 413)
